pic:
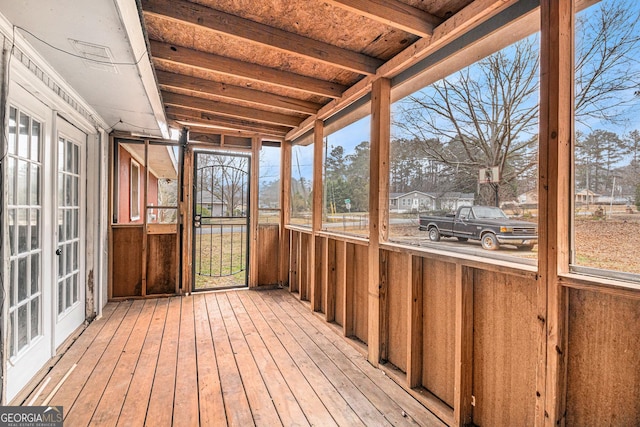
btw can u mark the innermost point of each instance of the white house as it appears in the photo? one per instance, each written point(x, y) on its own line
point(418, 201)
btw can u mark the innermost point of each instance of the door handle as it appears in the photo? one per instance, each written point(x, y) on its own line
point(59, 251)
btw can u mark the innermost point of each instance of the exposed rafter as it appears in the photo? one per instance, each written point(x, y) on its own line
point(180, 81)
point(230, 110)
point(189, 117)
point(232, 67)
point(393, 13)
point(235, 26)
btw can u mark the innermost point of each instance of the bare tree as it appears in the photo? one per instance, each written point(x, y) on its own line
point(486, 114)
point(226, 179)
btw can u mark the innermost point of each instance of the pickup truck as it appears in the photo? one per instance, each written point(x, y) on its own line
point(488, 224)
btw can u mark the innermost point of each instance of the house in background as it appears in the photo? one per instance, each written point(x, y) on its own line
point(586, 197)
point(212, 203)
point(418, 201)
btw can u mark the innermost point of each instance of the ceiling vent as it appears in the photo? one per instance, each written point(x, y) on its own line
point(96, 56)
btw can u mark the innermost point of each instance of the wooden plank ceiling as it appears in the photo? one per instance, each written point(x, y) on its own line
point(266, 66)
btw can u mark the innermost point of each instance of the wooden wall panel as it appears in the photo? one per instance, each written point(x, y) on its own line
point(357, 276)
point(319, 273)
point(127, 261)
point(603, 381)
point(268, 253)
point(294, 277)
point(439, 297)
point(304, 266)
point(504, 349)
point(340, 260)
point(162, 263)
point(397, 308)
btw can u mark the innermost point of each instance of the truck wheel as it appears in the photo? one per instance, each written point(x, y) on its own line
point(490, 242)
point(462, 239)
point(434, 234)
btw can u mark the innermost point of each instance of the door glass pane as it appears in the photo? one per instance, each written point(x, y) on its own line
point(69, 157)
point(12, 231)
point(68, 255)
point(60, 297)
point(75, 288)
point(75, 190)
point(75, 223)
point(12, 322)
point(61, 154)
point(61, 270)
point(22, 191)
point(23, 337)
point(22, 279)
point(76, 159)
point(35, 141)
point(34, 187)
point(68, 196)
point(68, 292)
point(75, 256)
point(23, 140)
point(23, 239)
point(61, 188)
point(60, 225)
point(12, 130)
point(11, 283)
point(69, 224)
point(35, 317)
point(35, 229)
point(35, 273)
point(11, 169)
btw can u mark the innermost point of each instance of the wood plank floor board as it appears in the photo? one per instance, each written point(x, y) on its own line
point(236, 404)
point(185, 406)
point(381, 390)
point(110, 405)
point(160, 410)
point(284, 399)
point(136, 401)
point(73, 354)
point(70, 390)
point(232, 358)
point(358, 401)
point(210, 399)
point(332, 396)
point(261, 403)
point(311, 405)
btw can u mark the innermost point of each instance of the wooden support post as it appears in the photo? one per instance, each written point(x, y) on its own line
point(285, 212)
point(315, 285)
point(186, 210)
point(556, 133)
point(462, 408)
point(415, 321)
point(143, 215)
point(256, 146)
point(378, 205)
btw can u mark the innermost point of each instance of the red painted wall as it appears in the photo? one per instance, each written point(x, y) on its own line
point(124, 190)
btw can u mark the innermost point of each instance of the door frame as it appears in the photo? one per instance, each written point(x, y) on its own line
point(249, 218)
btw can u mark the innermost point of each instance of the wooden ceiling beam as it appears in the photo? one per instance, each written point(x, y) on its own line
point(393, 13)
point(265, 35)
point(201, 118)
point(230, 110)
point(232, 67)
point(196, 84)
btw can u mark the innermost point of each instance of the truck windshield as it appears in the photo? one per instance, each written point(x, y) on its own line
point(488, 212)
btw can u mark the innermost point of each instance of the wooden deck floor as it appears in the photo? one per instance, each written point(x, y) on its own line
point(231, 358)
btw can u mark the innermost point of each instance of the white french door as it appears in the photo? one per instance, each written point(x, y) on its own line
point(44, 248)
point(69, 293)
point(28, 257)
